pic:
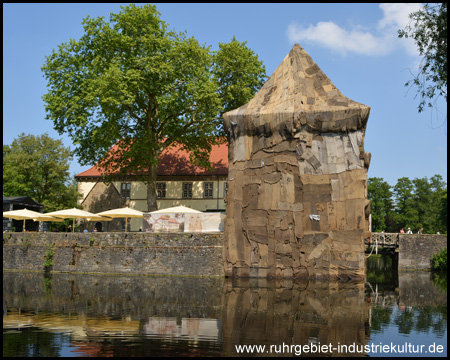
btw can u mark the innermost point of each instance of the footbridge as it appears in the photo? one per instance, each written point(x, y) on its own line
point(414, 250)
point(382, 240)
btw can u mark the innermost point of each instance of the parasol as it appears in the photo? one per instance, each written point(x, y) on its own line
point(25, 214)
point(125, 212)
point(77, 214)
point(177, 209)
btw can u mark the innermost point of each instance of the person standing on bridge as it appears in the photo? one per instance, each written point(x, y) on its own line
point(420, 231)
point(402, 231)
point(409, 231)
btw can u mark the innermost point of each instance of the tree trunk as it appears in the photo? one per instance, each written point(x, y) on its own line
point(151, 187)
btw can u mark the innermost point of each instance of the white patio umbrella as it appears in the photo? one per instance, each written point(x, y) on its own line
point(125, 212)
point(48, 218)
point(176, 209)
point(77, 214)
point(25, 214)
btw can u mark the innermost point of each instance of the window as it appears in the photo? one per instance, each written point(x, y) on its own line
point(187, 190)
point(208, 190)
point(161, 190)
point(125, 190)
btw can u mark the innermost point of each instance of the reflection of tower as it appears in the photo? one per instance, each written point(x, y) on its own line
point(267, 313)
point(297, 182)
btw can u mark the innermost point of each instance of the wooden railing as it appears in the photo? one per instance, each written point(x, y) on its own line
point(383, 240)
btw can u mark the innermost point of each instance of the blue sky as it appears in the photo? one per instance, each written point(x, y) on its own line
point(356, 45)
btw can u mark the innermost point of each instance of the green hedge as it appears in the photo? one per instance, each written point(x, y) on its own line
point(439, 261)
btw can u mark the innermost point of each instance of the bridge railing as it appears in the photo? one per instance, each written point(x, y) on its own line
point(383, 240)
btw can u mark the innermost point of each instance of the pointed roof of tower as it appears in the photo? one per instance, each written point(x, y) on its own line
point(300, 94)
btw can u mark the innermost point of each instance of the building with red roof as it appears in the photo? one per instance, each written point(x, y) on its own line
point(179, 182)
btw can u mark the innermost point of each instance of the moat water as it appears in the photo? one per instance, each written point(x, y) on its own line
point(73, 315)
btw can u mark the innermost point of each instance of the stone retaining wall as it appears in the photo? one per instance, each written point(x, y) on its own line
point(191, 254)
point(416, 251)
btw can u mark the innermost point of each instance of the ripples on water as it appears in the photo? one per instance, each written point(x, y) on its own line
point(101, 315)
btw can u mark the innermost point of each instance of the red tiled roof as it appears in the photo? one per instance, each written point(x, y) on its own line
point(174, 161)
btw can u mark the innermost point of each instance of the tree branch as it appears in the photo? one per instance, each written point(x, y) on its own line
point(132, 114)
point(166, 120)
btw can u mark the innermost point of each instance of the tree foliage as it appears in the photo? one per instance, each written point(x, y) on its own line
point(238, 72)
point(137, 84)
point(439, 261)
point(38, 166)
point(381, 204)
point(428, 28)
point(406, 214)
point(417, 203)
point(442, 219)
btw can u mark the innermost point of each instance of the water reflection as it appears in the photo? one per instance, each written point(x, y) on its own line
point(383, 271)
point(101, 315)
point(268, 313)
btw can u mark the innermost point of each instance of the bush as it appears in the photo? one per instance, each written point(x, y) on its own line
point(48, 259)
point(439, 261)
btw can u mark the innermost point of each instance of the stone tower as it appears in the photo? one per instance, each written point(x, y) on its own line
point(297, 181)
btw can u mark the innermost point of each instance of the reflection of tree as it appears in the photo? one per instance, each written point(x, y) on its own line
point(440, 280)
point(382, 281)
point(431, 318)
point(422, 319)
point(405, 321)
point(47, 282)
point(382, 270)
point(32, 343)
point(380, 319)
point(148, 347)
point(440, 325)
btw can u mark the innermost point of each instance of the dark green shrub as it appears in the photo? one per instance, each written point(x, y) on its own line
point(439, 261)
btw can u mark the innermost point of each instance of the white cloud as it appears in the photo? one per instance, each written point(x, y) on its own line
point(396, 15)
point(377, 41)
point(330, 35)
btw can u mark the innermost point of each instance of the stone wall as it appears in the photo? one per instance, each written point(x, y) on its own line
point(416, 289)
point(169, 296)
point(416, 251)
point(192, 254)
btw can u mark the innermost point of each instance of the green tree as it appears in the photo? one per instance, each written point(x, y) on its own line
point(134, 83)
point(381, 205)
point(420, 203)
point(14, 181)
point(428, 28)
point(428, 196)
point(38, 166)
point(442, 219)
point(423, 204)
point(406, 214)
point(438, 204)
point(239, 74)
